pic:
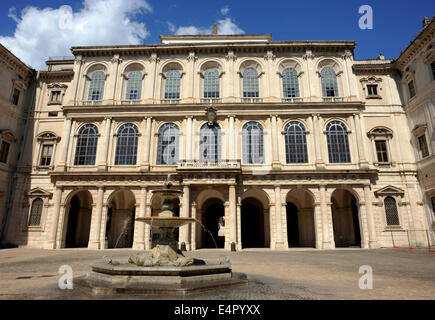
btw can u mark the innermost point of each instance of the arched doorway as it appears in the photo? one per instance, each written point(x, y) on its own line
point(254, 224)
point(213, 219)
point(345, 218)
point(120, 219)
point(300, 219)
point(79, 220)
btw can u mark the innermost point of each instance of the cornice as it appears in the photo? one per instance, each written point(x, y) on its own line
point(61, 75)
point(16, 64)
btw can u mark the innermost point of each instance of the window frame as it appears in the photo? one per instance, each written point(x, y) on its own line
point(217, 145)
point(76, 146)
point(131, 141)
point(247, 154)
point(174, 131)
point(331, 77)
point(302, 155)
point(387, 224)
point(424, 152)
point(347, 152)
point(294, 78)
point(4, 155)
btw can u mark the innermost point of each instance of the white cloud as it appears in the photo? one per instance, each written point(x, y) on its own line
point(41, 33)
point(225, 10)
point(225, 26)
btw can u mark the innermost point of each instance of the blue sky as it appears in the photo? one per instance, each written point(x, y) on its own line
point(34, 34)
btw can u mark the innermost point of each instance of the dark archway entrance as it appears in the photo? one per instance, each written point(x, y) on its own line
point(213, 213)
point(252, 224)
point(79, 221)
point(292, 225)
point(120, 220)
point(345, 217)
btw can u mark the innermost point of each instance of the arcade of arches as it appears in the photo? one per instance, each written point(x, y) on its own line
point(229, 217)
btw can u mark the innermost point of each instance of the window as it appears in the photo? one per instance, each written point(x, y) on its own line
point(36, 212)
point(432, 65)
point(96, 87)
point(295, 143)
point(372, 89)
point(253, 143)
point(55, 96)
point(338, 142)
point(4, 151)
point(329, 82)
point(211, 83)
point(209, 144)
point(86, 148)
point(250, 83)
point(411, 89)
point(391, 213)
point(126, 147)
point(290, 85)
point(167, 149)
point(16, 96)
point(423, 146)
point(172, 85)
point(381, 150)
point(46, 155)
point(134, 85)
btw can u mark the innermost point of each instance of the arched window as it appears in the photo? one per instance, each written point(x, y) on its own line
point(167, 149)
point(134, 86)
point(96, 87)
point(36, 212)
point(210, 141)
point(253, 151)
point(86, 149)
point(126, 147)
point(172, 84)
point(329, 82)
point(211, 83)
point(338, 142)
point(391, 211)
point(295, 143)
point(250, 83)
point(290, 84)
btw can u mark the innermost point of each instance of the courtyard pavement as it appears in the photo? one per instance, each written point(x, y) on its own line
point(284, 275)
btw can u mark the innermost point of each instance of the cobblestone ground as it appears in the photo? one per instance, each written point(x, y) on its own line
point(293, 274)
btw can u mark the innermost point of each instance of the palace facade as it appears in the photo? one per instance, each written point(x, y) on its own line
point(275, 144)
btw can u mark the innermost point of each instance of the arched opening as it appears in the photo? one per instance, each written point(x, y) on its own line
point(345, 218)
point(300, 219)
point(120, 219)
point(254, 224)
point(213, 220)
point(79, 220)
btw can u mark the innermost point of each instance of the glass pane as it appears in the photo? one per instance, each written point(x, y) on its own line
point(253, 143)
point(96, 88)
point(172, 84)
point(134, 85)
point(126, 148)
point(250, 83)
point(338, 143)
point(329, 82)
point(211, 83)
point(167, 150)
point(296, 143)
point(209, 145)
point(290, 83)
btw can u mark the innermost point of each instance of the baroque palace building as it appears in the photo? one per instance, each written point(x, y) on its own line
point(275, 144)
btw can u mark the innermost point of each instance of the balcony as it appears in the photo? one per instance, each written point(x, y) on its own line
point(170, 101)
point(92, 102)
point(211, 100)
point(132, 101)
point(251, 100)
point(292, 100)
point(209, 165)
point(333, 99)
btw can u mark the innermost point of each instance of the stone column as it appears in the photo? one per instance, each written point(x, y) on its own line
point(94, 237)
point(232, 223)
point(275, 152)
point(102, 166)
point(278, 218)
point(227, 218)
point(327, 231)
point(232, 144)
point(318, 224)
point(239, 226)
point(51, 243)
point(139, 227)
point(373, 242)
point(185, 213)
point(359, 142)
point(63, 163)
point(145, 166)
point(193, 228)
point(148, 230)
point(320, 164)
point(103, 242)
point(188, 141)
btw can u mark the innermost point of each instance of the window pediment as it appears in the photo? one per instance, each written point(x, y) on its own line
point(48, 136)
point(380, 131)
point(419, 129)
point(389, 191)
point(39, 193)
point(8, 135)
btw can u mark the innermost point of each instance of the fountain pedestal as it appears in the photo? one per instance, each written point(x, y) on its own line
point(164, 269)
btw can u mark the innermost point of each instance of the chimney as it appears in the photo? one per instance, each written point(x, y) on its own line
point(215, 31)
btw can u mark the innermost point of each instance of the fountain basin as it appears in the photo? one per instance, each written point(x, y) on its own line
point(166, 222)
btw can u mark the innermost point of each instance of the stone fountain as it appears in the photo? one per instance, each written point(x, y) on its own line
point(164, 269)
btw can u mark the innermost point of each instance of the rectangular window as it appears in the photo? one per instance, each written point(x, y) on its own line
point(55, 96)
point(423, 146)
point(46, 154)
point(381, 150)
point(4, 150)
point(433, 70)
point(16, 96)
point(411, 89)
point(372, 89)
